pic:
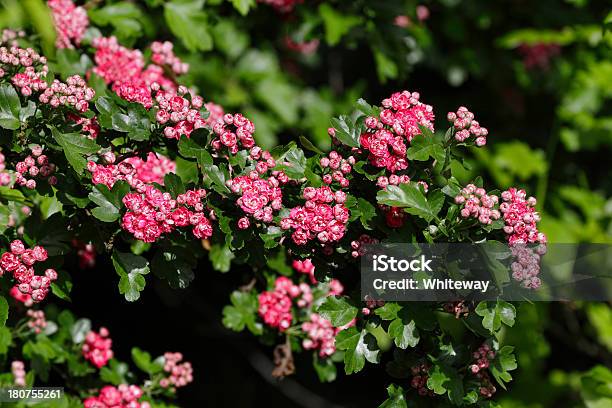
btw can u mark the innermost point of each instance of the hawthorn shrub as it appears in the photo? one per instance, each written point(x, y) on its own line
point(129, 164)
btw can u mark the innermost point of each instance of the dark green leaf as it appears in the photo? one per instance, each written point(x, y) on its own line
point(9, 107)
point(337, 310)
point(131, 270)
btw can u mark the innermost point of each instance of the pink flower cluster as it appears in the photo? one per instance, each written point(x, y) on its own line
point(134, 170)
point(259, 197)
point(215, 113)
point(164, 55)
point(88, 125)
point(19, 374)
point(33, 166)
point(465, 126)
point(115, 62)
point(520, 218)
point(318, 219)
point(37, 321)
point(526, 265)
point(339, 168)
point(97, 347)
point(321, 335)
point(357, 246)
point(124, 68)
point(74, 93)
point(28, 66)
point(420, 375)
point(275, 305)
point(20, 262)
point(179, 115)
point(482, 357)
point(284, 6)
point(21, 297)
point(476, 203)
point(233, 132)
point(306, 267)
point(398, 122)
point(153, 168)
point(70, 21)
point(153, 213)
point(123, 396)
point(181, 374)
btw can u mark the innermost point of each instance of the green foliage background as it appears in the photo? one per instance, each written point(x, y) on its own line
point(550, 127)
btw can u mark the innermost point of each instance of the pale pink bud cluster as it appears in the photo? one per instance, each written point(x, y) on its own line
point(357, 246)
point(476, 203)
point(306, 267)
point(335, 168)
point(321, 335)
point(19, 374)
point(134, 170)
point(27, 67)
point(318, 219)
point(482, 358)
point(393, 180)
point(520, 218)
point(70, 22)
point(181, 374)
point(465, 126)
point(399, 121)
point(420, 375)
point(34, 166)
point(10, 37)
point(5, 177)
point(177, 114)
point(259, 197)
point(20, 261)
point(371, 304)
point(164, 55)
point(153, 213)
point(526, 265)
point(73, 93)
point(283, 6)
point(37, 321)
point(233, 132)
point(123, 396)
point(97, 348)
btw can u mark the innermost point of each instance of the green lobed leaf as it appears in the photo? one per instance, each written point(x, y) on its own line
point(410, 197)
point(242, 313)
point(75, 146)
point(404, 334)
point(423, 147)
point(4, 311)
point(9, 107)
point(131, 270)
point(358, 347)
point(337, 310)
point(189, 22)
point(109, 201)
point(397, 398)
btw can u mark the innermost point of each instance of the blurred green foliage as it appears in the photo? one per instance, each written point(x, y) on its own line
point(550, 124)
